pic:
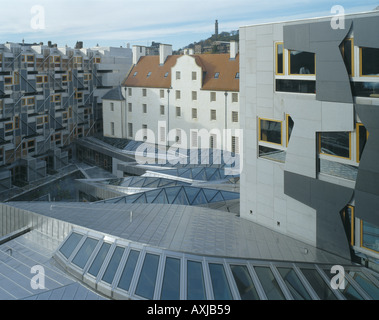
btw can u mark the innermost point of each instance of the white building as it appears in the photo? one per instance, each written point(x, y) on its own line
point(186, 100)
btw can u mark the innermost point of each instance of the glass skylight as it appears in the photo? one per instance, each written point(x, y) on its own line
point(146, 283)
point(97, 263)
point(69, 246)
point(85, 252)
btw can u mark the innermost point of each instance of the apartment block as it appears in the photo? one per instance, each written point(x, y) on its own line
point(183, 100)
point(309, 109)
point(50, 96)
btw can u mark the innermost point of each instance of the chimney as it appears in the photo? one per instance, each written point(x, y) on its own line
point(138, 52)
point(233, 49)
point(165, 50)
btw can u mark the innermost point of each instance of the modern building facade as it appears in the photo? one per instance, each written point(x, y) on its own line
point(187, 100)
point(309, 110)
point(50, 96)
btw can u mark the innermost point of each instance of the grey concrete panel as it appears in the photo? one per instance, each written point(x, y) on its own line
point(328, 200)
point(324, 31)
point(333, 91)
point(297, 37)
point(367, 184)
point(366, 32)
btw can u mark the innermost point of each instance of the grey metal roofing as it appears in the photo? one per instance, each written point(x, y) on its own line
point(114, 94)
point(190, 229)
point(20, 255)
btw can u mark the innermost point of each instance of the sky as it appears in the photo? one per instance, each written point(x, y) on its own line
point(140, 22)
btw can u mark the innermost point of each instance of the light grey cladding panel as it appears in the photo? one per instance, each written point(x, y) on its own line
point(367, 184)
point(332, 80)
point(366, 32)
point(328, 200)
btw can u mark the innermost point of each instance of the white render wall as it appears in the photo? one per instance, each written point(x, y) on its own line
point(110, 116)
point(262, 181)
point(154, 120)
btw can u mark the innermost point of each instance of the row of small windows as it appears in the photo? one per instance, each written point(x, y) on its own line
point(131, 271)
point(299, 63)
point(194, 95)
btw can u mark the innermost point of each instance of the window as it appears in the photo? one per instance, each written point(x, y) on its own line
point(161, 92)
point(166, 75)
point(362, 136)
point(194, 113)
point(113, 265)
point(144, 92)
point(348, 222)
point(194, 75)
point(234, 97)
point(112, 106)
point(269, 283)
point(129, 92)
point(130, 129)
point(16, 122)
point(289, 128)
point(195, 281)
point(369, 62)
point(79, 95)
point(235, 144)
point(270, 131)
point(178, 138)
point(70, 244)
point(369, 236)
point(220, 285)
point(213, 141)
point(162, 134)
point(217, 75)
point(237, 76)
point(127, 273)
point(213, 114)
point(112, 128)
point(8, 81)
point(148, 275)
point(234, 116)
point(177, 75)
point(194, 95)
point(144, 108)
point(213, 96)
point(318, 284)
point(302, 63)
point(335, 144)
point(162, 110)
point(98, 261)
point(178, 111)
point(347, 50)
point(177, 94)
point(130, 108)
point(279, 59)
point(148, 74)
point(194, 138)
point(8, 126)
point(144, 132)
point(245, 284)
point(294, 284)
point(171, 280)
point(85, 252)
point(135, 73)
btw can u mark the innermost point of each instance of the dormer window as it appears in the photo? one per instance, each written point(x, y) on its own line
point(237, 75)
point(217, 74)
point(149, 74)
point(166, 75)
point(135, 73)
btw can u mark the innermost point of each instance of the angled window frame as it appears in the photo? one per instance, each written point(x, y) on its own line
point(260, 131)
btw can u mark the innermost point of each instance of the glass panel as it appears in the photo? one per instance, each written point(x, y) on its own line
point(302, 62)
point(70, 244)
point(146, 283)
point(96, 264)
point(270, 131)
point(294, 284)
point(366, 89)
point(220, 285)
point(318, 284)
point(171, 280)
point(299, 86)
point(244, 283)
point(349, 292)
point(370, 288)
point(362, 134)
point(370, 61)
point(279, 58)
point(335, 143)
point(272, 154)
point(127, 273)
point(113, 265)
point(269, 283)
point(370, 236)
point(195, 281)
point(85, 252)
point(338, 169)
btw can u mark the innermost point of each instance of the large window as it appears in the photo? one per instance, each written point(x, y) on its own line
point(369, 236)
point(279, 59)
point(270, 131)
point(369, 62)
point(302, 63)
point(336, 144)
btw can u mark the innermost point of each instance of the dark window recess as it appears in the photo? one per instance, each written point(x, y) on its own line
point(335, 143)
point(299, 86)
point(271, 131)
point(370, 61)
point(302, 62)
point(347, 55)
point(365, 89)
